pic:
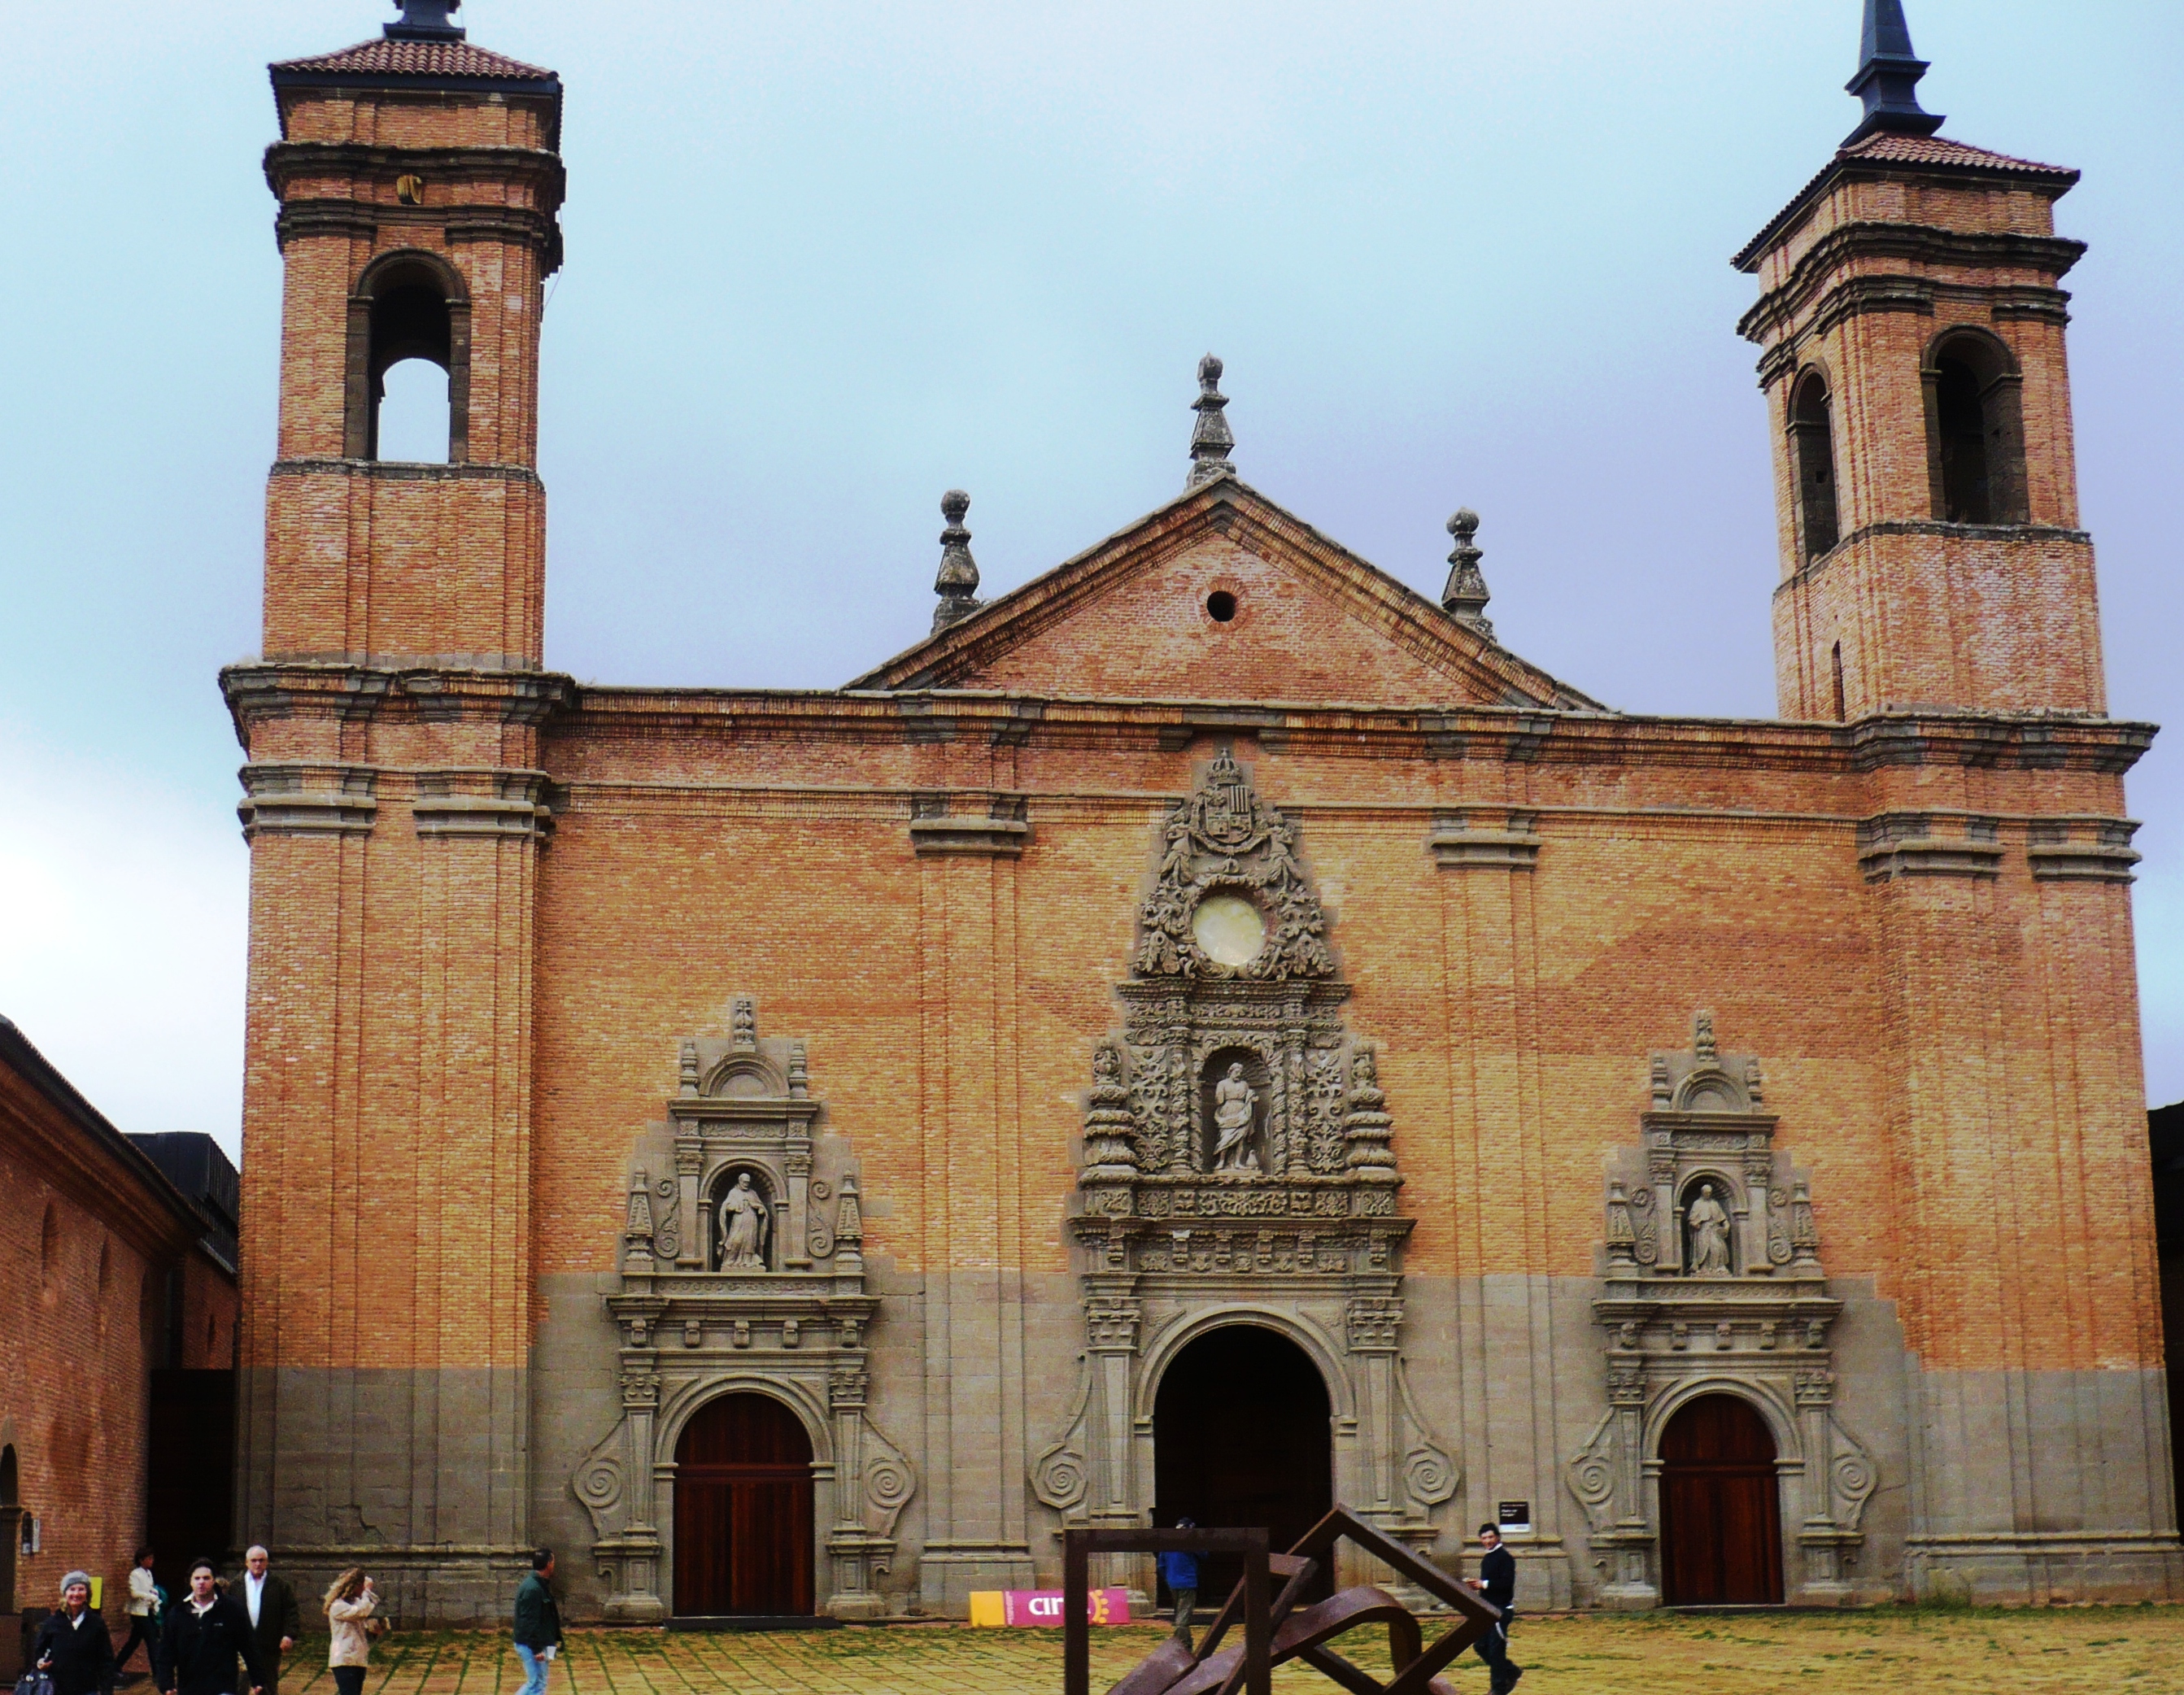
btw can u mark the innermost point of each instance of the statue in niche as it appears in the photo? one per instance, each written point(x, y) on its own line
point(1709, 1228)
point(1235, 1104)
point(743, 1243)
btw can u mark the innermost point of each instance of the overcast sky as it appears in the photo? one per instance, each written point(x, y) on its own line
point(827, 260)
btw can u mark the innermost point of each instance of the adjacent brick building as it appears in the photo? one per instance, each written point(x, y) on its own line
point(1210, 1030)
point(115, 1282)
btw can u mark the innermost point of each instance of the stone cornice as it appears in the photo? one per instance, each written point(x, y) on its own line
point(1937, 529)
point(1811, 279)
point(1498, 734)
point(286, 161)
point(265, 692)
point(1851, 168)
point(405, 470)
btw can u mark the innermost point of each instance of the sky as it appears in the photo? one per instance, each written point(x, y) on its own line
point(827, 261)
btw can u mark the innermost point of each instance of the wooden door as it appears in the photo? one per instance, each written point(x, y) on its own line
point(743, 1511)
point(1721, 1516)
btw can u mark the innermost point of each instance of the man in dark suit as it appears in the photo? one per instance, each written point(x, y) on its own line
point(201, 1640)
point(1497, 1582)
point(275, 1621)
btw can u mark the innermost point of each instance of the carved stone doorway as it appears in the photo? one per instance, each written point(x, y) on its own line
point(1721, 1515)
point(1242, 1436)
point(743, 1511)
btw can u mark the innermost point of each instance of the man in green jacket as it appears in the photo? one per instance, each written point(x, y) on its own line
point(538, 1623)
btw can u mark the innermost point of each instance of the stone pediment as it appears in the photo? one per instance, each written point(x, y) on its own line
point(1140, 617)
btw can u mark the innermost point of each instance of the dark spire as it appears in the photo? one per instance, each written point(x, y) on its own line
point(425, 20)
point(1888, 74)
point(957, 582)
point(1210, 436)
point(1465, 595)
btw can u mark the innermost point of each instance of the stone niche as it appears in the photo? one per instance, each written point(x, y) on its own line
point(743, 1271)
point(1238, 1168)
point(1713, 1284)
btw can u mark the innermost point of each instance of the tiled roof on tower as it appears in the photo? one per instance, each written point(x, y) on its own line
point(383, 58)
point(422, 51)
point(1895, 129)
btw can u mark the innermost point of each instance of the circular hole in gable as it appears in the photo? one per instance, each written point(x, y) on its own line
point(1221, 606)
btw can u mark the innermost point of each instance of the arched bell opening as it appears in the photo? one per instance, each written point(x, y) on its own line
point(1721, 1511)
point(743, 1511)
point(1242, 1435)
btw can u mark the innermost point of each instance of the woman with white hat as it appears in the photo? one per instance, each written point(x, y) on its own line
point(73, 1648)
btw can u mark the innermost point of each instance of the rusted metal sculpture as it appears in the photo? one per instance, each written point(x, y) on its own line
point(1275, 1631)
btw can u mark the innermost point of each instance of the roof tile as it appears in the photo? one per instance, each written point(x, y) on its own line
point(1901, 149)
point(414, 58)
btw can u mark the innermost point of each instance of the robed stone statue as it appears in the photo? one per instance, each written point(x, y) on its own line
point(743, 1216)
point(1234, 1104)
point(1709, 1225)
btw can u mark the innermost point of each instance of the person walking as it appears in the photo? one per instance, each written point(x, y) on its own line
point(1179, 1571)
point(538, 1623)
point(143, 1613)
point(274, 1620)
point(202, 1639)
point(73, 1648)
point(1497, 1582)
point(352, 1607)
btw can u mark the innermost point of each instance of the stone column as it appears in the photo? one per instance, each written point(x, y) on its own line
point(976, 1514)
point(1506, 1339)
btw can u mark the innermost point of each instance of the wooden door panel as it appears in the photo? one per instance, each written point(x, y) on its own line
point(743, 1502)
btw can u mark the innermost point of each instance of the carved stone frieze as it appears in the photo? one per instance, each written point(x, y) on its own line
point(743, 1272)
point(1713, 1284)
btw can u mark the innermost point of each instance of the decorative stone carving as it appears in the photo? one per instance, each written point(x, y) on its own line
point(778, 1305)
point(1713, 1284)
point(1238, 1160)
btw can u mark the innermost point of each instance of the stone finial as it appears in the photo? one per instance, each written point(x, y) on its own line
point(1888, 73)
point(687, 1069)
point(1702, 1047)
point(425, 20)
point(957, 582)
point(1465, 594)
point(742, 1024)
point(1210, 437)
point(1366, 1125)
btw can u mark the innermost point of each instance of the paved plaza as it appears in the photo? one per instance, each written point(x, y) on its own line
point(2138, 1649)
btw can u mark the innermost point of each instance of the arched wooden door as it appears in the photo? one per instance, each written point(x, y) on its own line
point(1721, 1515)
point(743, 1511)
point(1241, 1436)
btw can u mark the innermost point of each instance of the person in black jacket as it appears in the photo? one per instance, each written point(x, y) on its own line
point(201, 1639)
point(1497, 1582)
point(73, 1648)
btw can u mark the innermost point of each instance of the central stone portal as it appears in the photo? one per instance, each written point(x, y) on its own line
point(1240, 1180)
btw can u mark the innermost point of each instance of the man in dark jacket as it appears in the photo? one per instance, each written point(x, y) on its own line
point(73, 1648)
point(276, 1622)
point(1497, 1582)
point(538, 1623)
point(201, 1639)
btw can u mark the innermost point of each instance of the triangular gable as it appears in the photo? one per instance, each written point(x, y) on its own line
point(1127, 619)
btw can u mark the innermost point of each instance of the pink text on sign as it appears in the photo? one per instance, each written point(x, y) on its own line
point(1044, 1606)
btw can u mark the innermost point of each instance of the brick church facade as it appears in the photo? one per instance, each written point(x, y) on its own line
point(1208, 1031)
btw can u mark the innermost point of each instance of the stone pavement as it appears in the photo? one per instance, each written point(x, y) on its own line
point(2130, 1649)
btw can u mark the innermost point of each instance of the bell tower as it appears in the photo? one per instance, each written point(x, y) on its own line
point(1912, 319)
point(395, 812)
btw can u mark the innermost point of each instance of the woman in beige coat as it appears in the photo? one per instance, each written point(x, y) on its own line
point(351, 1605)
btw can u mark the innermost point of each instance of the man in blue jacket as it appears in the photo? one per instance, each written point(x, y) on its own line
point(1497, 1582)
point(1179, 1571)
